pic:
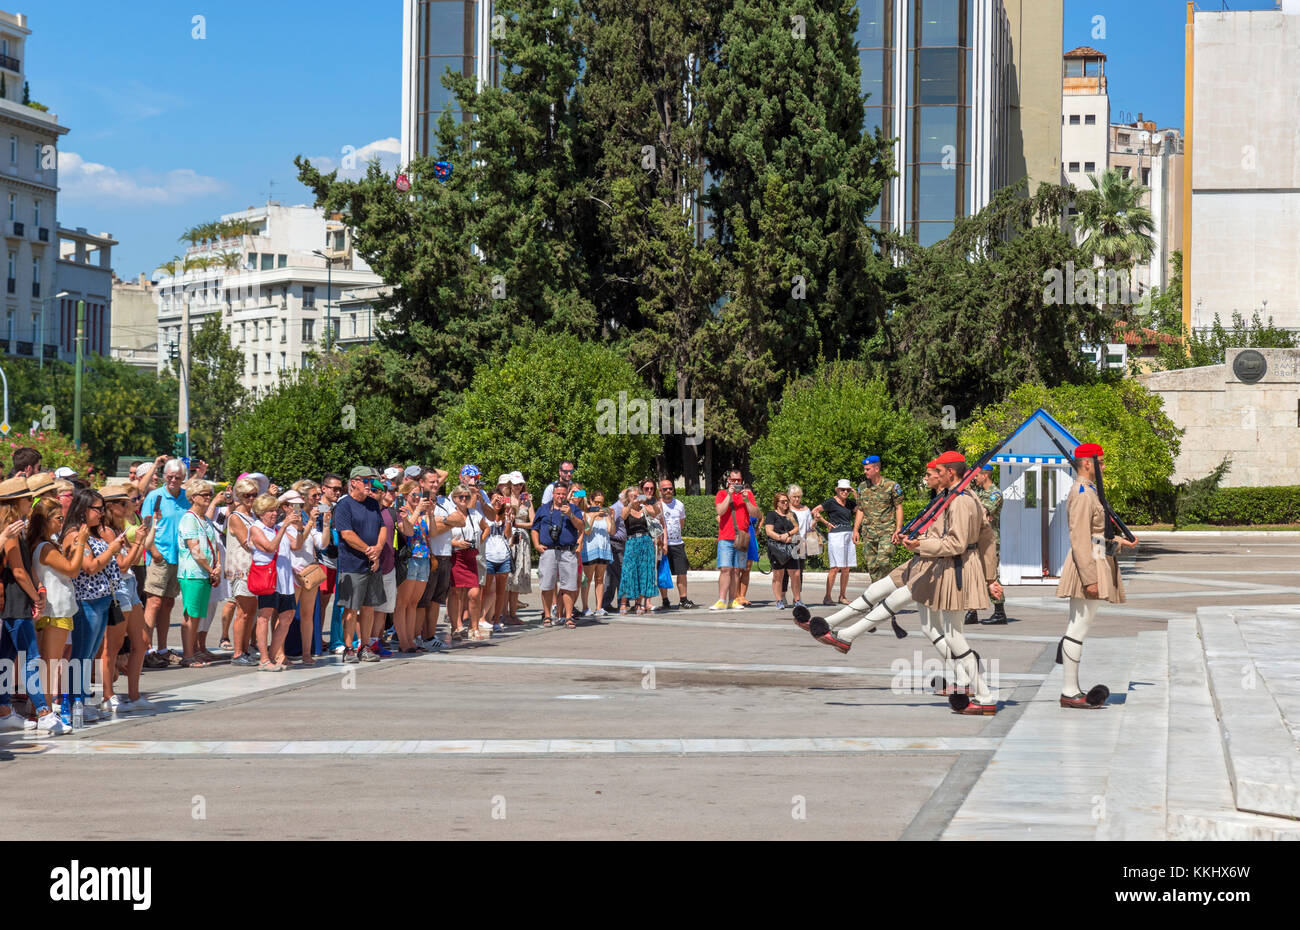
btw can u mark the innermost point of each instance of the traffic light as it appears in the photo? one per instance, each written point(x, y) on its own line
point(178, 446)
point(173, 351)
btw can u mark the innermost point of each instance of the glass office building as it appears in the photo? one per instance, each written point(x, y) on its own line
point(438, 35)
point(937, 74)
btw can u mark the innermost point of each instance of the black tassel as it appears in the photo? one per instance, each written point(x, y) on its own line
point(1059, 658)
point(898, 630)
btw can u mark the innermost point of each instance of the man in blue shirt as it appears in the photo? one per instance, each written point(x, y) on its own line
point(558, 528)
point(361, 532)
point(165, 505)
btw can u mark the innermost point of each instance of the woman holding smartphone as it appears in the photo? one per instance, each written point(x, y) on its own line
point(465, 592)
point(596, 551)
point(119, 500)
point(639, 580)
point(94, 586)
point(498, 529)
point(520, 580)
point(274, 610)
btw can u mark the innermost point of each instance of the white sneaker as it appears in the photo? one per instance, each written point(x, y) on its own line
point(90, 713)
point(51, 725)
point(13, 722)
point(601, 613)
point(339, 650)
point(138, 706)
point(110, 706)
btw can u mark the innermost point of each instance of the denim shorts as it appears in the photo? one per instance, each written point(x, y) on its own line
point(731, 557)
point(417, 568)
point(126, 594)
point(500, 568)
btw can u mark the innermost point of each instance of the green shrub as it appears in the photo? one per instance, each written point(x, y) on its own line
point(1252, 506)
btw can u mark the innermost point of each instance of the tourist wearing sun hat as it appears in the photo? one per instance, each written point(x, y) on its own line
point(41, 484)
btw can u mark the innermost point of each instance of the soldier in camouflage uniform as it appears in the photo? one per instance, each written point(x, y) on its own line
point(879, 518)
point(991, 498)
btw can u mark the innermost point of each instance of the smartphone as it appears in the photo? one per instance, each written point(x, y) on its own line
point(146, 523)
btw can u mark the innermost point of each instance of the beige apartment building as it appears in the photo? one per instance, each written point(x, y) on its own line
point(1153, 157)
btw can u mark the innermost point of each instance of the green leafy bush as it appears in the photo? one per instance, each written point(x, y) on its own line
point(827, 423)
point(542, 403)
point(1250, 507)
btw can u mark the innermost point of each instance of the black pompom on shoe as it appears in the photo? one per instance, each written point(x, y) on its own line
point(959, 702)
point(1097, 695)
point(801, 617)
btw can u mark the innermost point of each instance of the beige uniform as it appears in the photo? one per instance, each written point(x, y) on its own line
point(935, 583)
point(987, 549)
point(1087, 562)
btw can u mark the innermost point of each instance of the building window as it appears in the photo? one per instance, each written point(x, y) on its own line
point(309, 297)
point(243, 332)
point(1090, 119)
point(1124, 171)
point(1146, 177)
point(1074, 167)
point(252, 261)
point(354, 324)
point(284, 330)
point(1122, 138)
point(281, 261)
point(36, 271)
point(254, 366)
point(37, 166)
point(13, 265)
point(1089, 166)
point(13, 150)
point(36, 213)
point(13, 207)
point(283, 361)
point(1074, 119)
point(307, 327)
point(268, 261)
point(268, 362)
point(306, 360)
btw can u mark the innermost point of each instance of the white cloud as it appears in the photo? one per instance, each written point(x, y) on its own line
point(386, 150)
point(89, 181)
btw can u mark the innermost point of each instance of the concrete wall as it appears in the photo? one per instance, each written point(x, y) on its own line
point(1085, 143)
point(1258, 424)
point(1246, 166)
point(1034, 148)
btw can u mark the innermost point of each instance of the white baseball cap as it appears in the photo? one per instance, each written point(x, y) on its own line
point(263, 482)
point(64, 472)
point(503, 479)
point(845, 484)
point(291, 497)
point(392, 474)
point(413, 471)
point(517, 478)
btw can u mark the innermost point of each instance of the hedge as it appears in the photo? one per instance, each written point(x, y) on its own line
point(1251, 506)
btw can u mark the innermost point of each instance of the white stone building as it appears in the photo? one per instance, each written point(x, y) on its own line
point(1085, 116)
point(1243, 131)
point(1154, 159)
point(283, 283)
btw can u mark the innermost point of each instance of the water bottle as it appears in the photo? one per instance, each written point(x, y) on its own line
point(78, 716)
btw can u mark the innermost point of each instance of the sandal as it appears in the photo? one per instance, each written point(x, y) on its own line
point(226, 644)
point(193, 662)
point(570, 624)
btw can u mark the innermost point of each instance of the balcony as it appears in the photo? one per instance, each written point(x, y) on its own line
point(13, 64)
point(43, 234)
point(17, 229)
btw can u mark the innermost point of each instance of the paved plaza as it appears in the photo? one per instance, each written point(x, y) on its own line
point(735, 725)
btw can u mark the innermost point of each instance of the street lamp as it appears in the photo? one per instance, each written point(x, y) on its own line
point(329, 290)
point(40, 343)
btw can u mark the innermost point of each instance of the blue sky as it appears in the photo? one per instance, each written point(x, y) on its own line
point(169, 130)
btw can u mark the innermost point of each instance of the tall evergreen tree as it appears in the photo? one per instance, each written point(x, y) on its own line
point(216, 391)
point(639, 105)
point(489, 255)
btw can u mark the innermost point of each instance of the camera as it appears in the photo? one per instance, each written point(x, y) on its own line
point(554, 529)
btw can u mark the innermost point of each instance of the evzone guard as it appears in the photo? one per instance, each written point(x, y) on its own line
point(950, 574)
point(1091, 572)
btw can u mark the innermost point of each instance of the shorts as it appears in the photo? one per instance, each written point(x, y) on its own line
point(195, 595)
point(63, 623)
point(417, 568)
point(439, 586)
point(126, 594)
point(560, 568)
point(500, 568)
point(331, 579)
point(589, 562)
point(359, 589)
point(279, 603)
point(678, 563)
point(389, 584)
point(731, 557)
point(239, 588)
point(161, 581)
point(842, 551)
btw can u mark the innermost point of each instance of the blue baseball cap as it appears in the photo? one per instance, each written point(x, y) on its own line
point(470, 471)
point(871, 460)
point(987, 468)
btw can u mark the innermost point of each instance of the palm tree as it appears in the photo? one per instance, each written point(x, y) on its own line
point(1116, 227)
point(230, 261)
point(198, 263)
point(190, 235)
point(172, 268)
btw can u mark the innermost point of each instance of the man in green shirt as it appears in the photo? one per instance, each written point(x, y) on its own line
point(879, 518)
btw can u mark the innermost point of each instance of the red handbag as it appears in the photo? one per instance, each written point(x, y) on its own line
point(261, 578)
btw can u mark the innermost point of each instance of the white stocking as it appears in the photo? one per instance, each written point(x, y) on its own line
point(1082, 611)
point(967, 666)
point(889, 606)
point(873, 595)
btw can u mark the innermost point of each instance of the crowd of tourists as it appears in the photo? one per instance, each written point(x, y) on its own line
point(361, 567)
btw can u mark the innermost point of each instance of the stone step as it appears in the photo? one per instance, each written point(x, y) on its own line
point(1263, 764)
point(1047, 781)
point(1134, 807)
point(1198, 794)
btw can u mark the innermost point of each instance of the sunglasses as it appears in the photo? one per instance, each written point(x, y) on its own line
point(95, 507)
